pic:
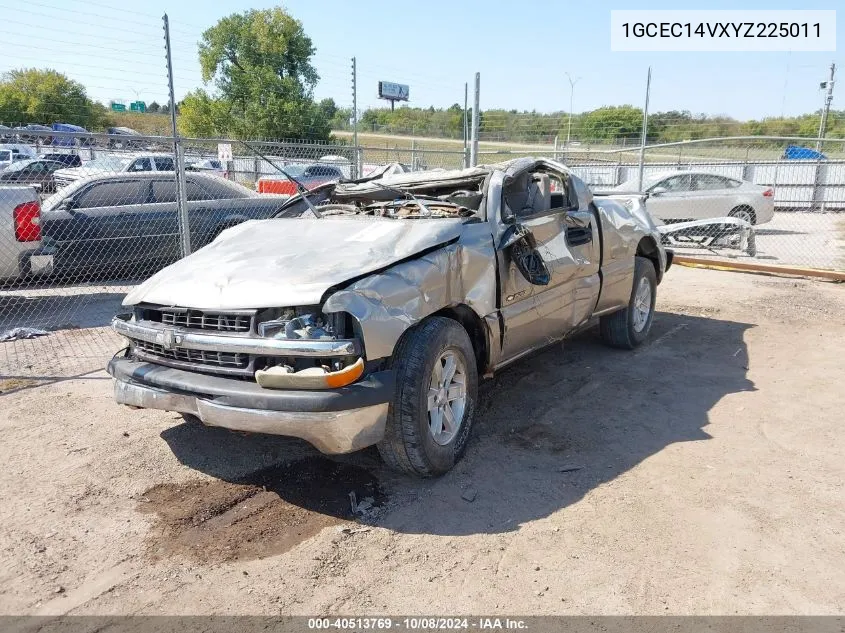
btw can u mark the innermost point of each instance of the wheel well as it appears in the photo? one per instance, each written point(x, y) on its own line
point(745, 207)
point(648, 248)
point(474, 327)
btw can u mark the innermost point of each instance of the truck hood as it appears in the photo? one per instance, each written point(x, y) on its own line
point(289, 262)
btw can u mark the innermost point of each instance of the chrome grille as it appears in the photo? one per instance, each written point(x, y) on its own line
point(227, 360)
point(201, 320)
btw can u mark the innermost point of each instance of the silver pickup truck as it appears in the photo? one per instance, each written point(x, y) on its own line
point(20, 234)
point(365, 313)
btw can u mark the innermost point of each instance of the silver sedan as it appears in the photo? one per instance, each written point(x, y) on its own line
point(698, 195)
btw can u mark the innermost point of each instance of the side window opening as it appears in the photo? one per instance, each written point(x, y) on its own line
point(141, 164)
point(111, 194)
point(163, 163)
point(164, 190)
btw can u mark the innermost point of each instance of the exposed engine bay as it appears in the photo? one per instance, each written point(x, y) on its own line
point(459, 203)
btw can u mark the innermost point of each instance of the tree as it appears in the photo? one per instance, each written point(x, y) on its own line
point(153, 107)
point(259, 63)
point(611, 122)
point(47, 96)
point(328, 108)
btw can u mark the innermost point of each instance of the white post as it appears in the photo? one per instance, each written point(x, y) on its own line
point(476, 121)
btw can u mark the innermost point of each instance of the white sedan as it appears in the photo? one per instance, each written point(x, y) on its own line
point(697, 195)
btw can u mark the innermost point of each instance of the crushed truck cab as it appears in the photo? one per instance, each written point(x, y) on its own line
point(366, 313)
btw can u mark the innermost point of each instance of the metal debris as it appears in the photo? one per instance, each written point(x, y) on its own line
point(21, 333)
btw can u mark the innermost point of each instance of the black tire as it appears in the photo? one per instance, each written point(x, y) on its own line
point(741, 211)
point(619, 329)
point(408, 445)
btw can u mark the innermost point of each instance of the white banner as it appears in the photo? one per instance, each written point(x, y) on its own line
point(728, 30)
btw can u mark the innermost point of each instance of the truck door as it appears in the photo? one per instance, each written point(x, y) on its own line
point(537, 315)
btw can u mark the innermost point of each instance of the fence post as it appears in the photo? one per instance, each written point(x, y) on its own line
point(413, 154)
point(178, 155)
point(356, 167)
point(645, 132)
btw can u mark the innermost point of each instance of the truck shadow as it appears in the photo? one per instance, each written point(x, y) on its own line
point(548, 430)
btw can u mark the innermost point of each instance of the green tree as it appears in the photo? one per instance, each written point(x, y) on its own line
point(46, 96)
point(154, 107)
point(259, 63)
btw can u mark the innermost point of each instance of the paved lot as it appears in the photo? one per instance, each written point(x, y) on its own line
point(811, 240)
point(700, 474)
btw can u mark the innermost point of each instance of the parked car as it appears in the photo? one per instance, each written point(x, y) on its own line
point(5, 133)
point(62, 140)
point(211, 166)
point(13, 152)
point(121, 138)
point(372, 323)
point(115, 163)
point(68, 160)
point(129, 221)
point(20, 232)
point(698, 195)
point(32, 133)
point(35, 172)
point(309, 175)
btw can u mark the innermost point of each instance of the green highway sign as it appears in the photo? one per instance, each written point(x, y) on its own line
point(118, 107)
point(138, 106)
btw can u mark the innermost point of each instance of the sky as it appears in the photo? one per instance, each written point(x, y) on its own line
point(522, 50)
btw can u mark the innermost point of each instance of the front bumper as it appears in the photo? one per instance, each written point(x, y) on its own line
point(334, 421)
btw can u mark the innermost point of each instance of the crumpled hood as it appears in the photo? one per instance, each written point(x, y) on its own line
point(288, 262)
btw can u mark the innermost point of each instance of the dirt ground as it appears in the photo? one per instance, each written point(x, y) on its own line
point(700, 474)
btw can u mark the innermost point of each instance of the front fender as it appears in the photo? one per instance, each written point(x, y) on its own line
point(387, 303)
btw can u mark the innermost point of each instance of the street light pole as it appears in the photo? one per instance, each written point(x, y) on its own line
point(572, 83)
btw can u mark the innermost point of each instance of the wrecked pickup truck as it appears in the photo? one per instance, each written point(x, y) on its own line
point(367, 310)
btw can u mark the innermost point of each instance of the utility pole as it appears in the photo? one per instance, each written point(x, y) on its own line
point(476, 121)
point(356, 168)
point(178, 158)
point(645, 131)
point(826, 109)
point(572, 83)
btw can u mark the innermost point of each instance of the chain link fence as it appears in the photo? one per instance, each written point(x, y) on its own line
point(84, 218)
point(764, 200)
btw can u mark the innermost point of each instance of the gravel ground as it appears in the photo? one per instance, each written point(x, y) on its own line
point(700, 474)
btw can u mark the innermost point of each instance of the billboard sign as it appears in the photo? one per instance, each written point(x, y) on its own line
point(392, 91)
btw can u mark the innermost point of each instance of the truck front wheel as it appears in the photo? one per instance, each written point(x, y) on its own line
point(433, 407)
point(629, 328)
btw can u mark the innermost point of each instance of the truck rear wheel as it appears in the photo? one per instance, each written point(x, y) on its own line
point(433, 407)
point(628, 328)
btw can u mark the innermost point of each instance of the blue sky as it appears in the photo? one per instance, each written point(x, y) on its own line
point(522, 50)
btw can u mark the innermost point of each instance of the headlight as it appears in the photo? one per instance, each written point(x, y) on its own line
point(300, 323)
